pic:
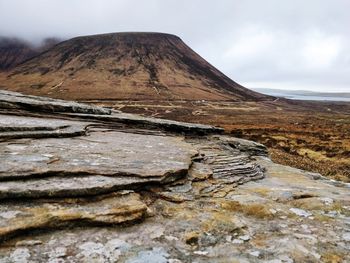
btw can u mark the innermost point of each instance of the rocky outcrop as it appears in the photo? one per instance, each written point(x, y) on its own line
point(15, 100)
point(15, 103)
point(85, 184)
point(25, 216)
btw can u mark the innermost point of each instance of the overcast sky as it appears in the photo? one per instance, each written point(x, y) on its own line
point(287, 44)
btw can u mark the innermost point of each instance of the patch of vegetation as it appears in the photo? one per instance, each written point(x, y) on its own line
point(257, 210)
point(332, 257)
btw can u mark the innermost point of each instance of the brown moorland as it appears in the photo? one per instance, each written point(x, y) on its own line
point(309, 135)
point(138, 66)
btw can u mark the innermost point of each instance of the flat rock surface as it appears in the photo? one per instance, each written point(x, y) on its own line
point(15, 100)
point(132, 189)
point(12, 127)
point(101, 153)
point(21, 123)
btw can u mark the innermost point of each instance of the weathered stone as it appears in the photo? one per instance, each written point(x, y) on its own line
point(211, 198)
point(200, 171)
point(346, 236)
point(14, 100)
point(111, 154)
point(24, 123)
point(228, 165)
point(249, 147)
point(14, 127)
point(300, 212)
point(32, 215)
point(70, 186)
point(151, 123)
point(155, 255)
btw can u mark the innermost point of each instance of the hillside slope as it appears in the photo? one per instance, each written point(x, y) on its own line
point(14, 51)
point(135, 66)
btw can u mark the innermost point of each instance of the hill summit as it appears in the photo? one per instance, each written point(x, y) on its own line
point(119, 66)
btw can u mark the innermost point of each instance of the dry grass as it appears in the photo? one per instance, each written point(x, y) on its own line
point(332, 257)
point(329, 168)
point(260, 211)
point(259, 240)
point(308, 135)
point(322, 218)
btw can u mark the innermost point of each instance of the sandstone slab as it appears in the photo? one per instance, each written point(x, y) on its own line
point(133, 120)
point(15, 100)
point(27, 216)
point(112, 153)
point(14, 127)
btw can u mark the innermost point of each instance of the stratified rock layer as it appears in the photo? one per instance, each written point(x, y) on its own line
point(182, 192)
point(100, 153)
point(14, 100)
point(12, 127)
point(24, 216)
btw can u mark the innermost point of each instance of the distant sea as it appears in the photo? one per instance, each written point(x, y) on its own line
point(310, 96)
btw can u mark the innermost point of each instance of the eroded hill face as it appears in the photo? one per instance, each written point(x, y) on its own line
point(136, 66)
point(14, 51)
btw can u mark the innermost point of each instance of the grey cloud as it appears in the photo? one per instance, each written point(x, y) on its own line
point(271, 43)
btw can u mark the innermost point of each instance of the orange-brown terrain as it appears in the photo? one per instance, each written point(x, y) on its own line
point(314, 136)
point(135, 66)
point(159, 75)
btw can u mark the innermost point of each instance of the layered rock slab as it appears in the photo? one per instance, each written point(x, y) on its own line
point(134, 120)
point(207, 198)
point(72, 186)
point(101, 162)
point(21, 217)
point(13, 127)
point(14, 100)
point(218, 227)
point(216, 172)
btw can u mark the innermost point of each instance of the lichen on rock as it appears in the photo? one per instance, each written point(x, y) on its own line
point(88, 184)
